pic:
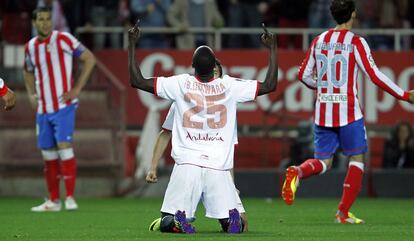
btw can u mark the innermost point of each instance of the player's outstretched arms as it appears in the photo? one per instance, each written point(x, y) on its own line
point(135, 75)
point(9, 99)
point(160, 145)
point(270, 83)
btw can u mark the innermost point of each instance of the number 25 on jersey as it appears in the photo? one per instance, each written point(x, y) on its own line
point(205, 103)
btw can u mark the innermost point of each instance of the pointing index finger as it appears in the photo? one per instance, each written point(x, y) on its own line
point(265, 29)
point(137, 23)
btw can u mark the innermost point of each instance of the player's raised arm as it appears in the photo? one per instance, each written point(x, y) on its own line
point(270, 83)
point(135, 75)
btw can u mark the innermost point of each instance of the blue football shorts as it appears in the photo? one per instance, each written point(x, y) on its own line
point(57, 127)
point(352, 139)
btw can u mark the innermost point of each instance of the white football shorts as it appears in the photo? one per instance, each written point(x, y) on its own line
point(189, 184)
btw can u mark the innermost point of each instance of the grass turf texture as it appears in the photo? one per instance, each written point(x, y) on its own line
point(128, 219)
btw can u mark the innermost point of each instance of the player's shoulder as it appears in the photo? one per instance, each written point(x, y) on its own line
point(226, 79)
point(321, 36)
point(65, 35)
point(31, 42)
point(230, 78)
point(62, 33)
point(176, 77)
point(183, 76)
point(359, 38)
point(179, 78)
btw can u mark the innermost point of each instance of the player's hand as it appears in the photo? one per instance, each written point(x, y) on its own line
point(33, 101)
point(268, 39)
point(152, 176)
point(9, 100)
point(134, 33)
point(70, 95)
point(411, 98)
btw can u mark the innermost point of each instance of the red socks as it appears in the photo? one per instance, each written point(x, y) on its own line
point(352, 183)
point(311, 167)
point(51, 171)
point(68, 170)
point(352, 186)
point(54, 169)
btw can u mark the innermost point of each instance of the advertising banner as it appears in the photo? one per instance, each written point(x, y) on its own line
point(292, 101)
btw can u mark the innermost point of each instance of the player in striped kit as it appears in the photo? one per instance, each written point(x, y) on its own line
point(202, 134)
point(7, 95)
point(49, 83)
point(335, 57)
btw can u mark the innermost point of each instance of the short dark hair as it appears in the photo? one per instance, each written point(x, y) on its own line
point(40, 10)
point(204, 60)
point(342, 10)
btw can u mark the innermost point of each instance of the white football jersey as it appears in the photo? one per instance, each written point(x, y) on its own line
point(169, 121)
point(205, 117)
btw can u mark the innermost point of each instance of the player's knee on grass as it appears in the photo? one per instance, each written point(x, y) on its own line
point(224, 222)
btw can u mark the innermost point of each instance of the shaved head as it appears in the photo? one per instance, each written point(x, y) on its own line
point(204, 61)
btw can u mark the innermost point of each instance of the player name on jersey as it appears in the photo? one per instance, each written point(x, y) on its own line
point(207, 89)
point(335, 46)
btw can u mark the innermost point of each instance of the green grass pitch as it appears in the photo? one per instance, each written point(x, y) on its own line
point(128, 219)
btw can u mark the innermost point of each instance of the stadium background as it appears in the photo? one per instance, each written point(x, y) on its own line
point(112, 116)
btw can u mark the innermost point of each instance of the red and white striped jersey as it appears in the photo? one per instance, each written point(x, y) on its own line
point(331, 67)
point(51, 61)
point(3, 88)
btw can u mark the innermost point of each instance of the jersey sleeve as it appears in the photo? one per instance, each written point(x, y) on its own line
point(244, 90)
point(169, 120)
point(367, 64)
point(305, 74)
point(3, 88)
point(72, 45)
point(28, 64)
point(168, 87)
